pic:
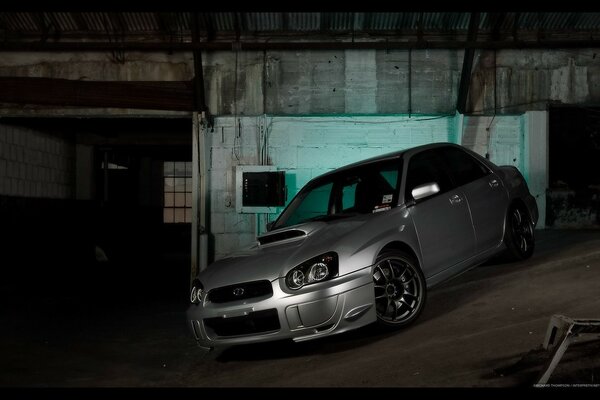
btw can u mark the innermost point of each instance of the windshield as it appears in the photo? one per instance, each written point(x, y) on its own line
point(364, 189)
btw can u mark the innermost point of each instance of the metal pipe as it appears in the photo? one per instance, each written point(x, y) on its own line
point(409, 82)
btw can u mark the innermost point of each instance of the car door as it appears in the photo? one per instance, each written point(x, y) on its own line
point(442, 221)
point(486, 195)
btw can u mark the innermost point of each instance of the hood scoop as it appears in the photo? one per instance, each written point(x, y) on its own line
point(277, 237)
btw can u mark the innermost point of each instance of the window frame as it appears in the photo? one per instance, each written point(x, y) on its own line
point(336, 192)
point(439, 165)
point(187, 210)
point(452, 173)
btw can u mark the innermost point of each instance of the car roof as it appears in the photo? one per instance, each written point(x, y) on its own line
point(387, 156)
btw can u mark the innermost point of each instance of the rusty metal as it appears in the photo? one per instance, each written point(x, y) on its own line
point(559, 335)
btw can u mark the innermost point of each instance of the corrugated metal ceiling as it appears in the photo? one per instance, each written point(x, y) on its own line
point(322, 22)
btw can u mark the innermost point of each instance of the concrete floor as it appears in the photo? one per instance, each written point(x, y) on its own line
point(480, 329)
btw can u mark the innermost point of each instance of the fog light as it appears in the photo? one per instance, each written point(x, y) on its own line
point(196, 293)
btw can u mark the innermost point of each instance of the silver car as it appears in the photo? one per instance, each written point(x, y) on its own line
point(363, 244)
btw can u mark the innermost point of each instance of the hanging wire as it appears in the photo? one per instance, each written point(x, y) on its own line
point(488, 129)
point(236, 121)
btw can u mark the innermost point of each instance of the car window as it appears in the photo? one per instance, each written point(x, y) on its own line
point(370, 189)
point(463, 167)
point(349, 195)
point(314, 204)
point(425, 167)
point(363, 189)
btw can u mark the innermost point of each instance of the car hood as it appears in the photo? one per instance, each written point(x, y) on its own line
point(274, 260)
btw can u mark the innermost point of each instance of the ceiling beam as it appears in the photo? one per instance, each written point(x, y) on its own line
point(173, 95)
point(465, 77)
point(315, 45)
point(199, 96)
point(210, 29)
point(497, 21)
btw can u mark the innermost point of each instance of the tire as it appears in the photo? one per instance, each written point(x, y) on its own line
point(519, 234)
point(393, 272)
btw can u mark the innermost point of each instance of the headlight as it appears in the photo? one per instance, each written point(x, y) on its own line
point(315, 270)
point(196, 293)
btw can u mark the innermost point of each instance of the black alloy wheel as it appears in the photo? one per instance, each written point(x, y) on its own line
point(519, 234)
point(400, 289)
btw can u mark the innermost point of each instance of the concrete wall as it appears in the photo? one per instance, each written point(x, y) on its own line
point(282, 82)
point(35, 163)
point(338, 82)
point(518, 140)
point(527, 80)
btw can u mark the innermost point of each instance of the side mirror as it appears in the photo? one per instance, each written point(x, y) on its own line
point(270, 225)
point(425, 190)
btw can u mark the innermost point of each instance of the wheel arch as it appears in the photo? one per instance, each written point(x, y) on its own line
point(401, 246)
point(514, 202)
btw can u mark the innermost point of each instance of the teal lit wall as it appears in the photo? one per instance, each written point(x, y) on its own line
point(306, 147)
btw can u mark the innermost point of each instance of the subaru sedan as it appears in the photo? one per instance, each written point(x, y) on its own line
point(363, 244)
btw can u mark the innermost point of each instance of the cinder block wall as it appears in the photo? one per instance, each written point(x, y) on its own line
point(304, 147)
point(38, 220)
point(35, 163)
point(501, 137)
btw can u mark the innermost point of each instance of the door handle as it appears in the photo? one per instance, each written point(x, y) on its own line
point(455, 199)
point(494, 183)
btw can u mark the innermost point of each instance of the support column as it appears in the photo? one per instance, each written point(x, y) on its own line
point(195, 195)
point(200, 195)
point(536, 160)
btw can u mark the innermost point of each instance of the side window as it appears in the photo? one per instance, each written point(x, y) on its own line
point(425, 168)
point(463, 167)
point(349, 195)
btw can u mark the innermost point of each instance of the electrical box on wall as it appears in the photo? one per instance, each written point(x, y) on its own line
point(259, 189)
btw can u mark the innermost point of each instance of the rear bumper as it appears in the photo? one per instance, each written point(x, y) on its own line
point(531, 205)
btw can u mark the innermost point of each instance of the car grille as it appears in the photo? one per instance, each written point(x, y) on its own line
point(254, 322)
point(240, 291)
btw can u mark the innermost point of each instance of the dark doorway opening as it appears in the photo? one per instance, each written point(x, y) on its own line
point(109, 244)
point(573, 199)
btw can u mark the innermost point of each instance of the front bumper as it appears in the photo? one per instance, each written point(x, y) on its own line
point(317, 310)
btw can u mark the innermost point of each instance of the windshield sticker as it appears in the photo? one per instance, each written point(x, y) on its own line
point(387, 198)
point(381, 207)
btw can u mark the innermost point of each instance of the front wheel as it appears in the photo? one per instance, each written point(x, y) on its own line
point(400, 289)
point(519, 233)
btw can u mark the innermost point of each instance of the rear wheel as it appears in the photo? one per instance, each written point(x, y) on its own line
point(400, 289)
point(519, 234)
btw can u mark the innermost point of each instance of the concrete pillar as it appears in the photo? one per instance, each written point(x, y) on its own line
point(361, 81)
point(536, 159)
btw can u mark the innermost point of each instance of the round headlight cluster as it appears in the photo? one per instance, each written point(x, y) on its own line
point(196, 292)
point(315, 270)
